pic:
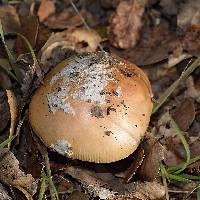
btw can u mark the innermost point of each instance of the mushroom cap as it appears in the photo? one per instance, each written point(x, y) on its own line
point(94, 107)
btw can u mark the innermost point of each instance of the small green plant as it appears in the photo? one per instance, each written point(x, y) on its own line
point(46, 182)
point(177, 173)
point(12, 70)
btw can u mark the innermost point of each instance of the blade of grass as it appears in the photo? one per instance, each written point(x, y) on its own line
point(6, 142)
point(179, 166)
point(178, 178)
point(185, 144)
point(43, 185)
point(191, 177)
point(52, 188)
point(169, 91)
point(163, 174)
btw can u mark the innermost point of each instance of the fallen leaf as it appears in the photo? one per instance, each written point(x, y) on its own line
point(138, 158)
point(77, 195)
point(154, 153)
point(9, 18)
point(152, 190)
point(142, 191)
point(79, 40)
point(191, 39)
point(192, 91)
point(126, 23)
point(46, 9)
point(29, 29)
point(3, 193)
point(185, 114)
point(189, 14)
point(10, 172)
point(12, 101)
point(4, 110)
point(92, 184)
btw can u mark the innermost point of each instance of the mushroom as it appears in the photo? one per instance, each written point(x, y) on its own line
point(93, 107)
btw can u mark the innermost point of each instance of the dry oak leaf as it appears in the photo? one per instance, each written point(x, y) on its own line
point(154, 153)
point(9, 18)
point(80, 40)
point(185, 114)
point(126, 23)
point(143, 191)
point(47, 8)
point(10, 172)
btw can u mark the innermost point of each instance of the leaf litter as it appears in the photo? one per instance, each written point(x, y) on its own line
point(144, 32)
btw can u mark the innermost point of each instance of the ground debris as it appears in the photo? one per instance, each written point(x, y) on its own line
point(126, 24)
point(9, 18)
point(3, 193)
point(184, 115)
point(10, 172)
point(154, 154)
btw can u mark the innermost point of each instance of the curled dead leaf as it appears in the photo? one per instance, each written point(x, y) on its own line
point(12, 101)
point(126, 23)
point(154, 153)
point(92, 184)
point(143, 191)
point(9, 18)
point(79, 40)
point(47, 7)
point(3, 193)
point(10, 172)
point(185, 114)
point(189, 14)
point(4, 111)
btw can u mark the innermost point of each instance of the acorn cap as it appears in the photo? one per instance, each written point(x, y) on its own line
point(94, 107)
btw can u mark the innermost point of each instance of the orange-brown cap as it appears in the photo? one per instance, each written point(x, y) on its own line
point(94, 107)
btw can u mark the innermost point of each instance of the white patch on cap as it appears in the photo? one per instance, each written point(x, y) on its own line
point(56, 102)
point(84, 78)
point(63, 147)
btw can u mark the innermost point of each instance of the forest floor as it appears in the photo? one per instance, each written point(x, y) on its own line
point(160, 36)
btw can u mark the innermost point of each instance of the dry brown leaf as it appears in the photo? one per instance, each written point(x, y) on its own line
point(29, 29)
point(142, 191)
point(90, 182)
point(126, 23)
point(79, 40)
point(189, 14)
point(9, 18)
point(136, 162)
point(65, 19)
point(4, 194)
point(12, 101)
point(152, 190)
point(4, 110)
point(192, 91)
point(185, 114)
point(133, 196)
point(46, 9)
point(10, 172)
point(154, 153)
point(77, 195)
point(191, 39)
